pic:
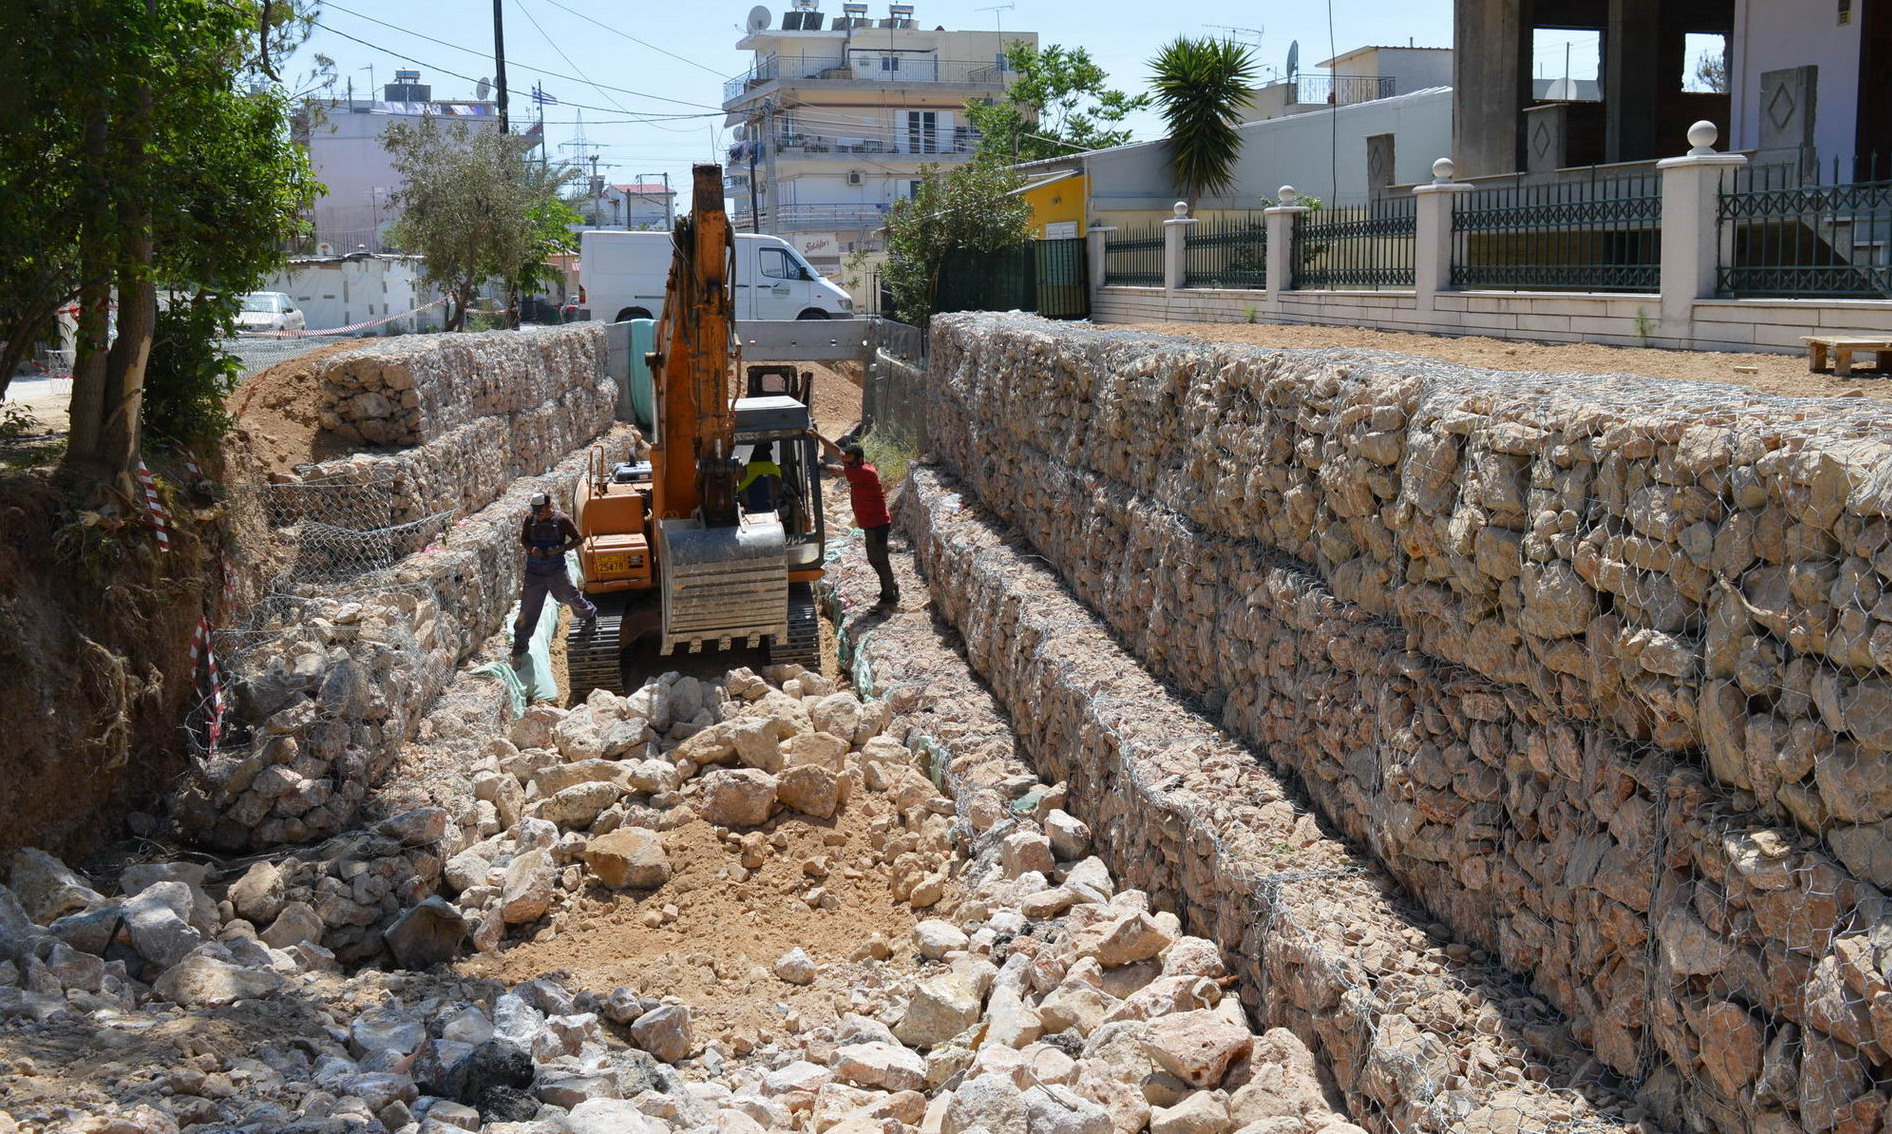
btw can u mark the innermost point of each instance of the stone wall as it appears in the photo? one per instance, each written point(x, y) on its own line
point(1587, 663)
point(405, 561)
point(456, 418)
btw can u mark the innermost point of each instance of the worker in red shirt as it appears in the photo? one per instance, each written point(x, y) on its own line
point(870, 512)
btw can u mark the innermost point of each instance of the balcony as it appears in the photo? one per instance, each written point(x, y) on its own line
point(962, 141)
point(1338, 90)
point(810, 218)
point(861, 68)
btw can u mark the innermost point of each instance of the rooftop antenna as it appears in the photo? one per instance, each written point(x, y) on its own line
point(998, 19)
point(1244, 34)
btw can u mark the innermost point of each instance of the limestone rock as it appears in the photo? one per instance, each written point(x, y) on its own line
point(47, 888)
point(940, 1008)
point(664, 1032)
point(1123, 940)
point(201, 981)
point(629, 857)
point(740, 797)
point(1198, 1046)
point(1070, 838)
point(429, 934)
point(258, 895)
point(811, 790)
point(530, 882)
point(795, 967)
point(297, 923)
point(887, 1067)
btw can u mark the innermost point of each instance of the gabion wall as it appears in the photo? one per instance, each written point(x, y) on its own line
point(1595, 666)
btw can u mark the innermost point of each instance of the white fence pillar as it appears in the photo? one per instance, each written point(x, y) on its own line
point(1094, 242)
point(1691, 231)
point(1280, 223)
point(1175, 234)
point(1432, 236)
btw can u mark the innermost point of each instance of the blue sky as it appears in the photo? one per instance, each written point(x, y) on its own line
point(586, 52)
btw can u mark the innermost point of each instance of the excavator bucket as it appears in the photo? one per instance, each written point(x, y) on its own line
point(723, 586)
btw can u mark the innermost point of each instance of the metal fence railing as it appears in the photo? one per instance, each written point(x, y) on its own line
point(1133, 257)
point(1781, 235)
point(1227, 251)
point(1603, 233)
point(1359, 246)
point(891, 396)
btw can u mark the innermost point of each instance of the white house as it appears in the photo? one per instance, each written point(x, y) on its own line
point(342, 291)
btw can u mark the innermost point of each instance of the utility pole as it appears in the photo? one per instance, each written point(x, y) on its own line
point(499, 62)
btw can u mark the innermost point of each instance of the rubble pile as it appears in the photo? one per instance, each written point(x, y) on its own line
point(1035, 995)
point(1587, 663)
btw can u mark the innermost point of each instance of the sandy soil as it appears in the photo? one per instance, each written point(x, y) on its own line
point(1782, 374)
point(717, 954)
point(276, 413)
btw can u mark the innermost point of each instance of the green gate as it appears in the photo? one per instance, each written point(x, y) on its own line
point(1045, 276)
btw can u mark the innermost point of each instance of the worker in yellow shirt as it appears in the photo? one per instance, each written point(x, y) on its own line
point(761, 486)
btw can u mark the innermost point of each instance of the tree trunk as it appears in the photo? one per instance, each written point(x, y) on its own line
point(24, 334)
point(95, 294)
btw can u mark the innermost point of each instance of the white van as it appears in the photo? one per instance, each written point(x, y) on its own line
point(624, 274)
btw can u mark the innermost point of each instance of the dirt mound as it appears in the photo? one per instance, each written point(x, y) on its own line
point(277, 422)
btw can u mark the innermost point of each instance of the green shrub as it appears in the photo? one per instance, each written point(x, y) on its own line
point(892, 450)
point(190, 375)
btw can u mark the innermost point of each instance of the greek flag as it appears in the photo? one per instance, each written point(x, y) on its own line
point(540, 97)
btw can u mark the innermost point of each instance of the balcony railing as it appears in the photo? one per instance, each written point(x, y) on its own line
point(921, 143)
point(1339, 90)
point(811, 217)
point(866, 66)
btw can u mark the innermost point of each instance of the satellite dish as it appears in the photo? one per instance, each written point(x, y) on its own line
point(758, 19)
point(1294, 58)
point(1562, 90)
point(485, 88)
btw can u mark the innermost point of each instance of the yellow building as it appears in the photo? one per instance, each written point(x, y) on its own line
point(1056, 196)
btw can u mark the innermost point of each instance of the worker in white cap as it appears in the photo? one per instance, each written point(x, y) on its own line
point(547, 535)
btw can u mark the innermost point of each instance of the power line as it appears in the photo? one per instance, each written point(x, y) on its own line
point(483, 54)
point(634, 39)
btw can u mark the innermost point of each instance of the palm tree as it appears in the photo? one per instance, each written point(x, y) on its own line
point(1201, 84)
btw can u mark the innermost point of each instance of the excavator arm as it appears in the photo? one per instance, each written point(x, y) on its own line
point(723, 574)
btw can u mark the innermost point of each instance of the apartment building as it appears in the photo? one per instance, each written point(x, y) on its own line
point(344, 138)
point(635, 206)
point(836, 116)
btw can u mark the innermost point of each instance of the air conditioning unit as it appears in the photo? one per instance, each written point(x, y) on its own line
point(854, 177)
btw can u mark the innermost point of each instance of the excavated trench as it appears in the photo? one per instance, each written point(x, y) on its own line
point(1511, 747)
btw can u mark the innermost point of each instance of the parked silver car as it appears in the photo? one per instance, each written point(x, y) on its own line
point(269, 311)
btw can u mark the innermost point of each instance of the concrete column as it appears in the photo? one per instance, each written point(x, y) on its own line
point(1692, 245)
point(1491, 74)
point(1632, 80)
point(1280, 222)
point(1175, 231)
point(1432, 242)
point(1094, 252)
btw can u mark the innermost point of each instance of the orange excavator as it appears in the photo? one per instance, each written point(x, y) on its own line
point(684, 552)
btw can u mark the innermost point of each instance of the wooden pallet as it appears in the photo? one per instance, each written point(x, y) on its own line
point(1842, 350)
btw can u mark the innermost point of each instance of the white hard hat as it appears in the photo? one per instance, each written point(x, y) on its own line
point(539, 499)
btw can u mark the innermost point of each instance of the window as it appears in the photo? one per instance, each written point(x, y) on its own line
point(913, 190)
point(890, 63)
point(923, 131)
point(777, 265)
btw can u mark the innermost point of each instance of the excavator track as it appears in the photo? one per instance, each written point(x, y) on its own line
point(592, 656)
point(804, 629)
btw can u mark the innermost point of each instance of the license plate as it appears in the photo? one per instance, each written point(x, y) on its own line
point(610, 563)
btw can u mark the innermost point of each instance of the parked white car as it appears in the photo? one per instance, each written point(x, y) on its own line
point(269, 311)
